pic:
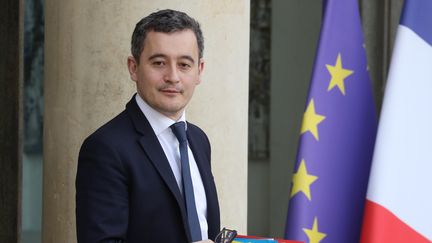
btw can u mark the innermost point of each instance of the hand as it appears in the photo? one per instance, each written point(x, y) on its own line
point(204, 241)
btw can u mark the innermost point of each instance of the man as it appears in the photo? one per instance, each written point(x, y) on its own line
point(134, 183)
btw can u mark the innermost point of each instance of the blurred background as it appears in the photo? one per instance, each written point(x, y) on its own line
point(283, 36)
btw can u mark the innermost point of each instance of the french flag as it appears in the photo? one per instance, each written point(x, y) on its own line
point(399, 197)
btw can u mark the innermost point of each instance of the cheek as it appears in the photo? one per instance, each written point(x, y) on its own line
point(150, 80)
point(192, 79)
point(190, 89)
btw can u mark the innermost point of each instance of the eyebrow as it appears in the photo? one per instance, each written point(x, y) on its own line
point(159, 55)
point(188, 58)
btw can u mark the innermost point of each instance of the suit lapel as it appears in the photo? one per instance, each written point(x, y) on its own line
point(157, 157)
point(207, 178)
point(152, 148)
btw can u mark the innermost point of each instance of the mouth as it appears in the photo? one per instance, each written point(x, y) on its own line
point(170, 91)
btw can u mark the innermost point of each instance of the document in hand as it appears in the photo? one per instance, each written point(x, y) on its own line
point(246, 240)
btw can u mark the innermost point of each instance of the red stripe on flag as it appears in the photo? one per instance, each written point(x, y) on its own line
point(381, 225)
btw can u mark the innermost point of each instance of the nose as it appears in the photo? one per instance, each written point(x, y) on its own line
point(172, 74)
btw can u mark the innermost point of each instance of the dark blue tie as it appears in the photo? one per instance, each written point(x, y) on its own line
point(179, 130)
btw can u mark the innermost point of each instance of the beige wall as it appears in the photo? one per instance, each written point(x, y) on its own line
point(86, 83)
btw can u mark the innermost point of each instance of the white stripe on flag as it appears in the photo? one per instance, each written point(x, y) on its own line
point(401, 176)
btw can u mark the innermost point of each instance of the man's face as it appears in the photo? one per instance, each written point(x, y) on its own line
point(168, 71)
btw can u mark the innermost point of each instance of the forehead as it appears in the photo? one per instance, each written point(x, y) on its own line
point(182, 42)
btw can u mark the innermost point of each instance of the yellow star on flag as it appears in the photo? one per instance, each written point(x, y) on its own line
point(338, 74)
point(313, 234)
point(311, 120)
point(302, 181)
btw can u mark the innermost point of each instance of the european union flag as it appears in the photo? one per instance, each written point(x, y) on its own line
point(337, 135)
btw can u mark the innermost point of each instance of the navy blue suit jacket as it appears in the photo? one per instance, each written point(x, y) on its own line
point(126, 190)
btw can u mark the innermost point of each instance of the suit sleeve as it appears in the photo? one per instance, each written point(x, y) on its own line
point(101, 193)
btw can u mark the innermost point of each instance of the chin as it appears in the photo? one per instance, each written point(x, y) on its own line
point(174, 110)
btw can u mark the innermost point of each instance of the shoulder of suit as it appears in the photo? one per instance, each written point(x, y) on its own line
point(112, 129)
point(195, 129)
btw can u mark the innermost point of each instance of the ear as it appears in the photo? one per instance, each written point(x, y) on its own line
point(133, 68)
point(200, 70)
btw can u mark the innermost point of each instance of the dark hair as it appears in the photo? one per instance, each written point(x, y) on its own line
point(166, 21)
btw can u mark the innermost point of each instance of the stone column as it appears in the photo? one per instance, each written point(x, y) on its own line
point(11, 16)
point(87, 83)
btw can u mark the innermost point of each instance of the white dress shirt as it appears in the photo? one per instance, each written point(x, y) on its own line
point(170, 145)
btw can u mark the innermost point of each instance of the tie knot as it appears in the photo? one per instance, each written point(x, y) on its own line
point(179, 130)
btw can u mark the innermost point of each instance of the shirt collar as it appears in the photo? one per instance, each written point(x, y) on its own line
point(157, 120)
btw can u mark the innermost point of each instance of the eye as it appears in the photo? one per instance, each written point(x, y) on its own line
point(158, 63)
point(184, 65)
